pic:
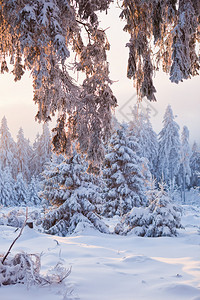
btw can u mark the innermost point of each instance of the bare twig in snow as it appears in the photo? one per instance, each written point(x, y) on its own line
point(20, 233)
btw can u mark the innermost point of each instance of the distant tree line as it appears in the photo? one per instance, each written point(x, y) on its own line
point(139, 174)
point(21, 165)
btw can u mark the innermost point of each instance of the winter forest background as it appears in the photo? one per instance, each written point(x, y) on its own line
point(117, 202)
point(140, 171)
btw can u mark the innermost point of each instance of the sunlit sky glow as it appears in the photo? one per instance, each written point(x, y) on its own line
point(17, 105)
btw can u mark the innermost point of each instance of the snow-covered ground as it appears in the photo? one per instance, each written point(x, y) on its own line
point(111, 267)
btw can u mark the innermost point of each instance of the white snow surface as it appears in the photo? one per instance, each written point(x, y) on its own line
point(111, 267)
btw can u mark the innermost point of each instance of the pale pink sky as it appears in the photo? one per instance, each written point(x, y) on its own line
point(17, 105)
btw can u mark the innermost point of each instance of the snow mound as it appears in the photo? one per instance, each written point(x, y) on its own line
point(182, 291)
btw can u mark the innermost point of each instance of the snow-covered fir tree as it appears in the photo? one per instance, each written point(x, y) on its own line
point(195, 166)
point(21, 190)
point(168, 163)
point(23, 155)
point(45, 150)
point(35, 167)
point(8, 195)
point(42, 151)
point(185, 171)
point(3, 200)
point(7, 148)
point(151, 151)
point(75, 193)
point(123, 176)
point(29, 148)
point(160, 218)
point(141, 128)
point(33, 193)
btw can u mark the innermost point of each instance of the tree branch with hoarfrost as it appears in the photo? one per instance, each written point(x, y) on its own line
point(164, 35)
point(39, 35)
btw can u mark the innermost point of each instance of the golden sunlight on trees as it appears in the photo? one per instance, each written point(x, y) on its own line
point(38, 36)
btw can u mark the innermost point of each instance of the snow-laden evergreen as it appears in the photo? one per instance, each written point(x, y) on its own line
point(186, 154)
point(21, 190)
point(185, 171)
point(8, 195)
point(42, 151)
point(195, 166)
point(123, 175)
point(118, 190)
point(35, 166)
point(169, 149)
point(141, 128)
point(160, 218)
point(33, 193)
point(23, 155)
point(75, 193)
point(7, 148)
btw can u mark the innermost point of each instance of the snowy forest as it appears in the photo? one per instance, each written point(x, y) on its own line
point(140, 171)
point(146, 187)
point(95, 209)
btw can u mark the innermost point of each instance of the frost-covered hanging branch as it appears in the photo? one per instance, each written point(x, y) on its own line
point(164, 34)
point(93, 115)
point(37, 36)
point(185, 60)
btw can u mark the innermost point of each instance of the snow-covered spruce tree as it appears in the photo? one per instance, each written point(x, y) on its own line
point(42, 151)
point(30, 152)
point(160, 218)
point(123, 175)
point(33, 198)
point(151, 151)
point(169, 149)
point(185, 171)
point(7, 189)
point(195, 166)
point(21, 190)
point(2, 199)
point(141, 128)
point(34, 165)
point(23, 156)
point(74, 193)
point(7, 148)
